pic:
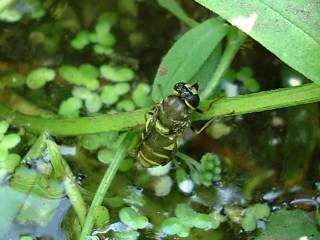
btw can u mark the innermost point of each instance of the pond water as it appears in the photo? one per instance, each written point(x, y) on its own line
point(69, 59)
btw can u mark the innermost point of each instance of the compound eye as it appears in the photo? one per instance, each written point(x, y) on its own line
point(178, 86)
point(193, 100)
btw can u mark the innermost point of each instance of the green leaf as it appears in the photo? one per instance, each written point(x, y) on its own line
point(185, 214)
point(174, 7)
point(289, 29)
point(205, 73)
point(102, 216)
point(172, 226)
point(187, 56)
point(131, 218)
point(116, 74)
point(10, 141)
point(288, 225)
point(38, 77)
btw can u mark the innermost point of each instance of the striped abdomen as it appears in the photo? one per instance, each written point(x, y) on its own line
point(163, 129)
point(157, 148)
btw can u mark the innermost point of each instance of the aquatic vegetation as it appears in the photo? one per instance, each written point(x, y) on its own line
point(80, 81)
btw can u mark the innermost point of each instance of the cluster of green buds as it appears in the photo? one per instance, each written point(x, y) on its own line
point(187, 218)
point(8, 161)
point(209, 170)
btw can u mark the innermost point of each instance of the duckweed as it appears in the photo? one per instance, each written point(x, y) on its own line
point(202, 221)
point(81, 92)
point(108, 95)
point(85, 75)
point(70, 108)
point(38, 77)
point(185, 214)
point(81, 40)
point(105, 156)
point(3, 154)
point(4, 125)
point(174, 226)
point(253, 214)
point(93, 104)
point(90, 141)
point(122, 88)
point(126, 165)
point(116, 74)
point(125, 105)
point(12, 161)
point(9, 141)
point(102, 216)
point(126, 235)
point(140, 95)
point(132, 219)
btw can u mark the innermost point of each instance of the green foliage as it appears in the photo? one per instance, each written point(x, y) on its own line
point(287, 225)
point(101, 38)
point(140, 95)
point(102, 216)
point(180, 65)
point(174, 7)
point(244, 75)
point(209, 170)
point(70, 108)
point(39, 77)
point(126, 235)
point(132, 219)
point(116, 74)
point(173, 226)
point(254, 213)
point(297, 42)
point(186, 218)
point(86, 75)
point(8, 141)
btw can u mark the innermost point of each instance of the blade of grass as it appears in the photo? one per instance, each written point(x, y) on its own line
point(120, 153)
point(257, 102)
point(174, 7)
point(235, 40)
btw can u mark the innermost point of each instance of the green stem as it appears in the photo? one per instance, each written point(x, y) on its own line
point(120, 154)
point(235, 40)
point(63, 171)
point(189, 160)
point(256, 102)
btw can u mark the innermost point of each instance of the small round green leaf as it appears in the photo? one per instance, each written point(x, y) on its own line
point(93, 104)
point(10, 141)
point(38, 77)
point(81, 40)
point(108, 95)
point(70, 107)
point(116, 74)
point(173, 226)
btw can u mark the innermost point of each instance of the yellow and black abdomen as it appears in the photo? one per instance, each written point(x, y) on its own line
point(163, 129)
point(157, 148)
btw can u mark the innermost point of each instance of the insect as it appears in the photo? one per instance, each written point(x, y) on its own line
point(165, 125)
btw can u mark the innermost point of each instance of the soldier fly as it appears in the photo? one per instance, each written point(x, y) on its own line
point(165, 125)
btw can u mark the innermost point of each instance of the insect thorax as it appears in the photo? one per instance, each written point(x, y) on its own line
point(173, 113)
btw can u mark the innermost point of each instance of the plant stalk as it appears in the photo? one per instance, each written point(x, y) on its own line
point(249, 103)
